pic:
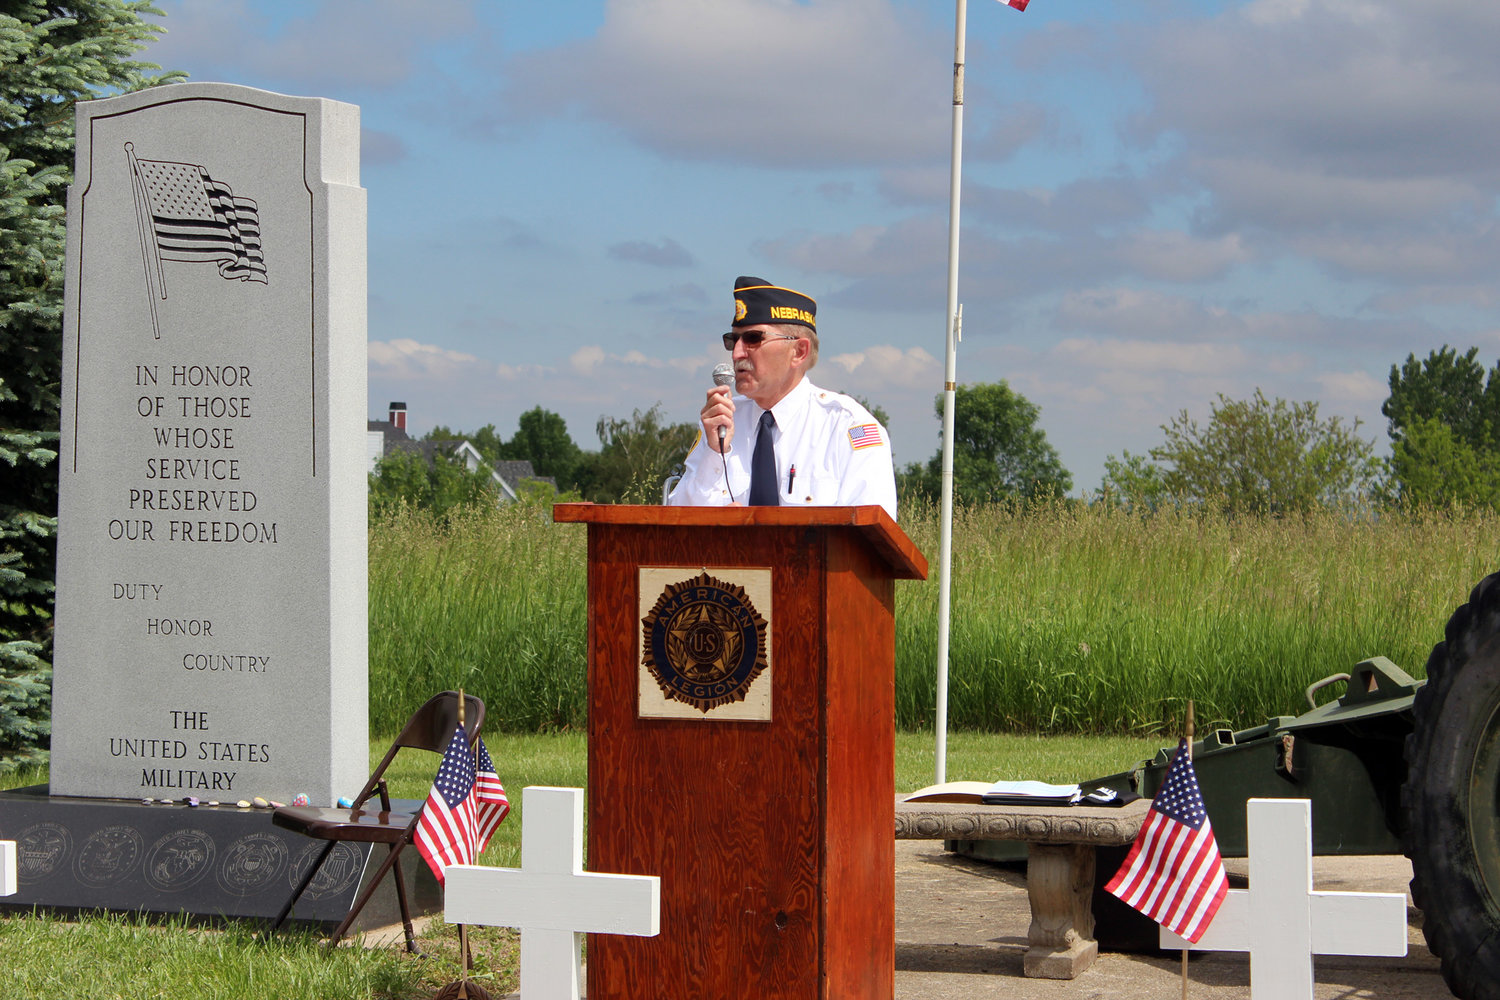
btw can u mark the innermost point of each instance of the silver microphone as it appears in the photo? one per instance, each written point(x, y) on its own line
point(723, 375)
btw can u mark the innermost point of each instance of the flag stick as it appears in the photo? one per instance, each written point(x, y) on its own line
point(150, 251)
point(463, 930)
point(1189, 735)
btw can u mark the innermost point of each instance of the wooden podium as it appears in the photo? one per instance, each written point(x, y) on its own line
point(769, 818)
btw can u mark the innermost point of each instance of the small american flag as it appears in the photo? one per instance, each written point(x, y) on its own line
point(463, 809)
point(865, 436)
point(494, 806)
point(1018, 4)
point(1173, 873)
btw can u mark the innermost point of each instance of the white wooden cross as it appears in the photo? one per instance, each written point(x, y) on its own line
point(7, 867)
point(550, 897)
point(1282, 922)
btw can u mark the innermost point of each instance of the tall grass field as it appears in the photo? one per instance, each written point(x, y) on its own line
point(1066, 618)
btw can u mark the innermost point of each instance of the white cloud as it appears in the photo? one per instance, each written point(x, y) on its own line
point(666, 253)
point(1346, 390)
point(1298, 198)
point(340, 43)
point(882, 367)
point(1153, 357)
point(404, 358)
point(1353, 134)
point(586, 360)
point(1365, 88)
point(522, 373)
point(1137, 312)
point(1441, 257)
point(770, 82)
point(1177, 256)
point(1278, 12)
point(621, 369)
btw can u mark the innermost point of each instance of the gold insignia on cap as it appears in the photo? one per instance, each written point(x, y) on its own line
point(739, 310)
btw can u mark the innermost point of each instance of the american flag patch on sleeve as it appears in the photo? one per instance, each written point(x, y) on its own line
point(865, 436)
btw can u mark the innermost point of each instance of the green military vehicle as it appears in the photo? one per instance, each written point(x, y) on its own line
point(1393, 765)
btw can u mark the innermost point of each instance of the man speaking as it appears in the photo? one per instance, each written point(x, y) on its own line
point(779, 440)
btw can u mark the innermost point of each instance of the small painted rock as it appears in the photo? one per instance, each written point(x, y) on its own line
point(277, 805)
point(300, 799)
point(345, 802)
point(213, 802)
point(243, 803)
point(191, 800)
point(261, 803)
point(147, 802)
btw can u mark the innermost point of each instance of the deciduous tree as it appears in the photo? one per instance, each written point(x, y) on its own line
point(406, 477)
point(486, 440)
point(999, 451)
point(635, 457)
point(1253, 456)
point(542, 439)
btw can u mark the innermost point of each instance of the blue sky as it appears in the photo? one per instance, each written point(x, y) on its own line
point(1162, 201)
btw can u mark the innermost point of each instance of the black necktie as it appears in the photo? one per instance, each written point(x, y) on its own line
point(763, 491)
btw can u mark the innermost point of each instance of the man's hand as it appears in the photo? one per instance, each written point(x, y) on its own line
point(718, 412)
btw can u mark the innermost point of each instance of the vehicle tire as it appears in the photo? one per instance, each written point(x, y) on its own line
point(1451, 824)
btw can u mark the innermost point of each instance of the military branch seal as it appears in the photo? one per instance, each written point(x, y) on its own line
point(704, 642)
point(42, 849)
point(109, 856)
point(179, 859)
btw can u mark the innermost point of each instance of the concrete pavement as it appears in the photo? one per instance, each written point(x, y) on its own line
point(961, 931)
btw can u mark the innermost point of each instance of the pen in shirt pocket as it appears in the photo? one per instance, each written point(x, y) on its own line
point(791, 478)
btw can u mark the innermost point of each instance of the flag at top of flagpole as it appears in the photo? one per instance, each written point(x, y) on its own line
point(1173, 873)
point(1017, 4)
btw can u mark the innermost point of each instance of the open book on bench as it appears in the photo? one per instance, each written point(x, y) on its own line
point(1013, 793)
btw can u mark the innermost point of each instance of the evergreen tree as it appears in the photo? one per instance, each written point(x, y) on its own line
point(1444, 414)
point(1430, 466)
point(51, 55)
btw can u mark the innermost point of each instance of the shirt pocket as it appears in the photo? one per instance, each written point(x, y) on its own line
point(813, 491)
point(735, 488)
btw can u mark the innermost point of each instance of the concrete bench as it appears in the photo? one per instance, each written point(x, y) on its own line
point(1059, 867)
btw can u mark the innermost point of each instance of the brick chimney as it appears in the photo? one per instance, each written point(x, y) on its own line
point(398, 416)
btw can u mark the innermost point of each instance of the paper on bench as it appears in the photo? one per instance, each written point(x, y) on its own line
point(998, 792)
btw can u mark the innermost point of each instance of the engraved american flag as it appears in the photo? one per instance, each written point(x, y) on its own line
point(197, 219)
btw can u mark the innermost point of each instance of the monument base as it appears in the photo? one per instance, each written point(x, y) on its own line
point(220, 862)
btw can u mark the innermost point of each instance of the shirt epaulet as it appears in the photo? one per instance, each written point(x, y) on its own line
point(838, 401)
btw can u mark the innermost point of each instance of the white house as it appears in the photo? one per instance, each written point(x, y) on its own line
point(386, 437)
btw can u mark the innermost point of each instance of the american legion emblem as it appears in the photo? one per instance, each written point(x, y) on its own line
point(704, 642)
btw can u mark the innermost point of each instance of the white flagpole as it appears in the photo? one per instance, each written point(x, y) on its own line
point(950, 379)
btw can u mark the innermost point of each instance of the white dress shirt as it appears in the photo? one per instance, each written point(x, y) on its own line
point(830, 452)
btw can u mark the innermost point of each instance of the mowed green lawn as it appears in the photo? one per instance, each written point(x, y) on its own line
point(124, 958)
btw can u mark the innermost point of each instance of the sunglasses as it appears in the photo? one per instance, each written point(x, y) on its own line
point(753, 338)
